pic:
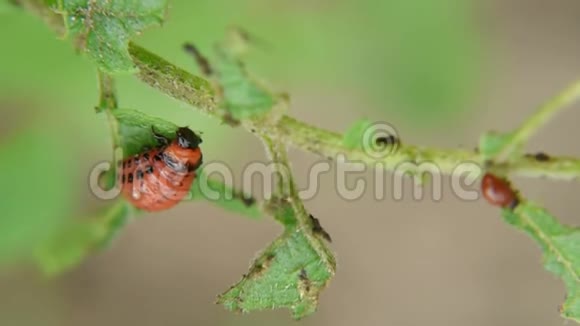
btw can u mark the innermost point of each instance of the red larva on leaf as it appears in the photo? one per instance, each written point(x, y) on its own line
point(498, 192)
point(160, 178)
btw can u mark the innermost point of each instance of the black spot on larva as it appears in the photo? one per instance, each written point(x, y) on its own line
point(123, 178)
point(149, 169)
point(139, 174)
point(136, 159)
point(146, 156)
point(157, 157)
point(128, 163)
point(195, 166)
point(130, 178)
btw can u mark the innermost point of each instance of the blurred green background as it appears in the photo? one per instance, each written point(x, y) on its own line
point(441, 71)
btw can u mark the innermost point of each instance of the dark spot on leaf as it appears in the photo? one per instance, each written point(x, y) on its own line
point(304, 284)
point(318, 229)
point(261, 265)
point(303, 275)
point(248, 201)
point(230, 120)
point(487, 164)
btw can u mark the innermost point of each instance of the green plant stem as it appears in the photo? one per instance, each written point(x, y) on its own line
point(174, 81)
point(329, 144)
point(287, 194)
point(107, 91)
point(539, 118)
point(286, 187)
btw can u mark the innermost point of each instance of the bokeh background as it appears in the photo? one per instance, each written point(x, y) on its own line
point(442, 71)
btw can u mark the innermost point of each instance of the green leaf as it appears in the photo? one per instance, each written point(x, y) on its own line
point(244, 96)
point(224, 196)
point(80, 238)
point(135, 133)
point(35, 197)
point(353, 137)
point(104, 28)
point(290, 273)
point(491, 144)
point(561, 247)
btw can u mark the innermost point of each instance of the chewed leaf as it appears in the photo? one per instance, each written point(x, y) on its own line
point(244, 97)
point(104, 28)
point(561, 247)
point(224, 196)
point(353, 137)
point(290, 273)
point(80, 238)
point(135, 130)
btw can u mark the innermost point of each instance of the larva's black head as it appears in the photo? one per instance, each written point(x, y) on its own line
point(187, 138)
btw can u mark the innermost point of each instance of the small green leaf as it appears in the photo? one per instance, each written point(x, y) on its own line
point(290, 273)
point(561, 247)
point(80, 238)
point(353, 137)
point(104, 28)
point(491, 144)
point(244, 97)
point(222, 195)
point(135, 130)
